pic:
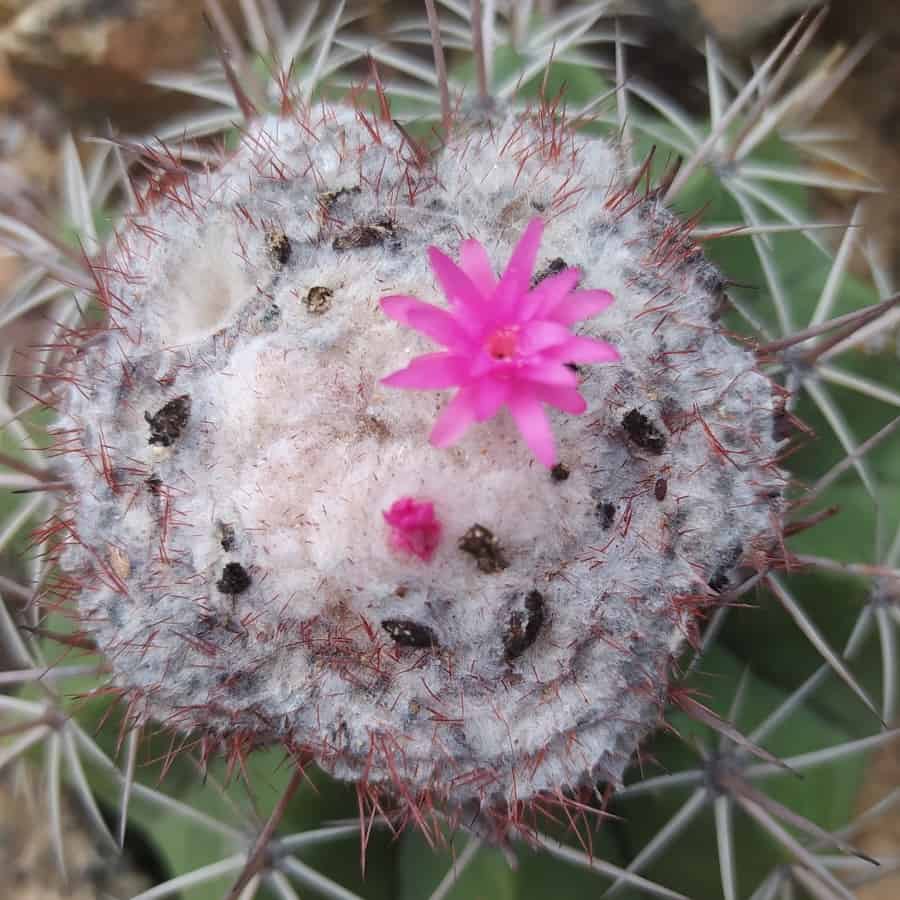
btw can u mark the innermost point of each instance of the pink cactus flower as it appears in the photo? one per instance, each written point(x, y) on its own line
point(414, 527)
point(507, 344)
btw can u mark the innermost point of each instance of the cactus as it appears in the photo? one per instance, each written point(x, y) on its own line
point(475, 610)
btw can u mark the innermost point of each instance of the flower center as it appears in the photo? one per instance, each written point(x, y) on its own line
point(502, 344)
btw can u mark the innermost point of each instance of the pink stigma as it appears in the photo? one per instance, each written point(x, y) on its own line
point(414, 528)
point(502, 344)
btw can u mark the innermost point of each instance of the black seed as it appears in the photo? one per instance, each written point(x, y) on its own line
point(643, 432)
point(559, 472)
point(226, 537)
point(235, 579)
point(660, 489)
point(154, 483)
point(407, 633)
point(318, 300)
point(607, 514)
point(572, 366)
point(358, 236)
point(278, 246)
point(481, 543)
point(554, 267)
point(167, 423)
point(721, 576)
point(524, 627)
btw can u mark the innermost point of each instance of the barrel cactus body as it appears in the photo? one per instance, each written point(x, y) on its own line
point(236, 554)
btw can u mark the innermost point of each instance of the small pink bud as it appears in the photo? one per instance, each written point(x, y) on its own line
point(414, 527)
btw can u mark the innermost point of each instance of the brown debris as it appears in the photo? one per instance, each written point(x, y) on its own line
point(364, 235)
point(481, 543)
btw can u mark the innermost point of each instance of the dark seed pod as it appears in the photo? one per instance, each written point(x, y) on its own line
point(524, 627)
point(167, 423)
point(327, 199)
point(235, 579)
point(226, 536)
point(642, 432)
point(784, 425)
point(721, 577)
point(359, 236)
point(278, 246)
point(480, 542)
point(559, 472)
point(318, 300)
point(554, 267)
point(606, 512)
point(660, 489)
point(407, 633)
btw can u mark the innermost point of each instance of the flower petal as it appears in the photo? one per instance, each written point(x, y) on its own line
point(482, 364)
point(583, 350)
point(455, 418)
point(440, 326)
point(579, 305)
point(548, 294)
point(474, 261)
point(397, 307)
point(565, 398)
point(432, 372)
point(537, 336)
point(432, 321)
point(458, 288)
point(490, 395)
point(517, 276)
point(548, 372)
point(533, 425)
